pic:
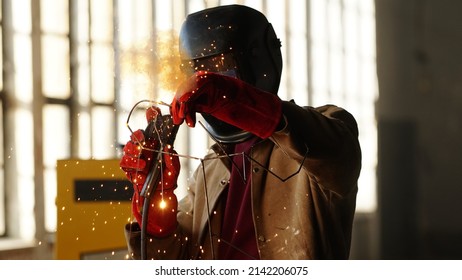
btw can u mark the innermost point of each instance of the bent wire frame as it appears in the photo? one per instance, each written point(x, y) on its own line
point(163, 136)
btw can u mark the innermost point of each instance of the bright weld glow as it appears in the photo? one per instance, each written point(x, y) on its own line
point(162, 204)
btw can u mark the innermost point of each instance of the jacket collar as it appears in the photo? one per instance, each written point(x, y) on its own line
point(221, 150)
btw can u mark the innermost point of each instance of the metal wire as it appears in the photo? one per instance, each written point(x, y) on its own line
point(148, 191)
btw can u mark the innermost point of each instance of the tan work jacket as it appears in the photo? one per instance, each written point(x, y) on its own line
point(304, 185)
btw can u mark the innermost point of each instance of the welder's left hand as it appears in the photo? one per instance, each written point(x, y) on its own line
point(228, 99)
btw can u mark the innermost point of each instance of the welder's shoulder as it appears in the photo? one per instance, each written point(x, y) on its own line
point(339, 113)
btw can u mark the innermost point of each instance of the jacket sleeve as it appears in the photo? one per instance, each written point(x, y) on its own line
point(168, 248)
point(325, 140)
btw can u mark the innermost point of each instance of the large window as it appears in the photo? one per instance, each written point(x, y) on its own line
point(77, 57)
point(72, 70)
point(59, 99)
point(343, 72)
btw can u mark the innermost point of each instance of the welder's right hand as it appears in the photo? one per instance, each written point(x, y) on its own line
point(139, 155)
point(139, 152)
point(137, 158)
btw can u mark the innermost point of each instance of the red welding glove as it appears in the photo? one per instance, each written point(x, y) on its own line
point(227, 99)
point(139, 154)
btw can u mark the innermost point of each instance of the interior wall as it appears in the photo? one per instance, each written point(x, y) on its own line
point(419, 114)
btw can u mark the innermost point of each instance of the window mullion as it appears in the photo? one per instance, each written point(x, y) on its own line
point(37, 109)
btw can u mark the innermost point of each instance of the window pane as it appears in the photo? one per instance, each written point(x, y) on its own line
point(54, 16)
point(101, 20)
point(143, 14)
point(23, 67)
point(135, 22)
point(298, 54)
point(83, 74)
point(56, 134)
point(163, 15)
point(102, 74)
point(21, 10)
point(55, 67)
point(23, 151)
point(84, 135)
point(125, 26)
point(50, 181)
point(103, 138)
point(81, 22)
point(56, 145)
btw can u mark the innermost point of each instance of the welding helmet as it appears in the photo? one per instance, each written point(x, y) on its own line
point(232, 40)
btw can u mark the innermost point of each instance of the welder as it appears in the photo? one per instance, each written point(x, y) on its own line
point(281, 180)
